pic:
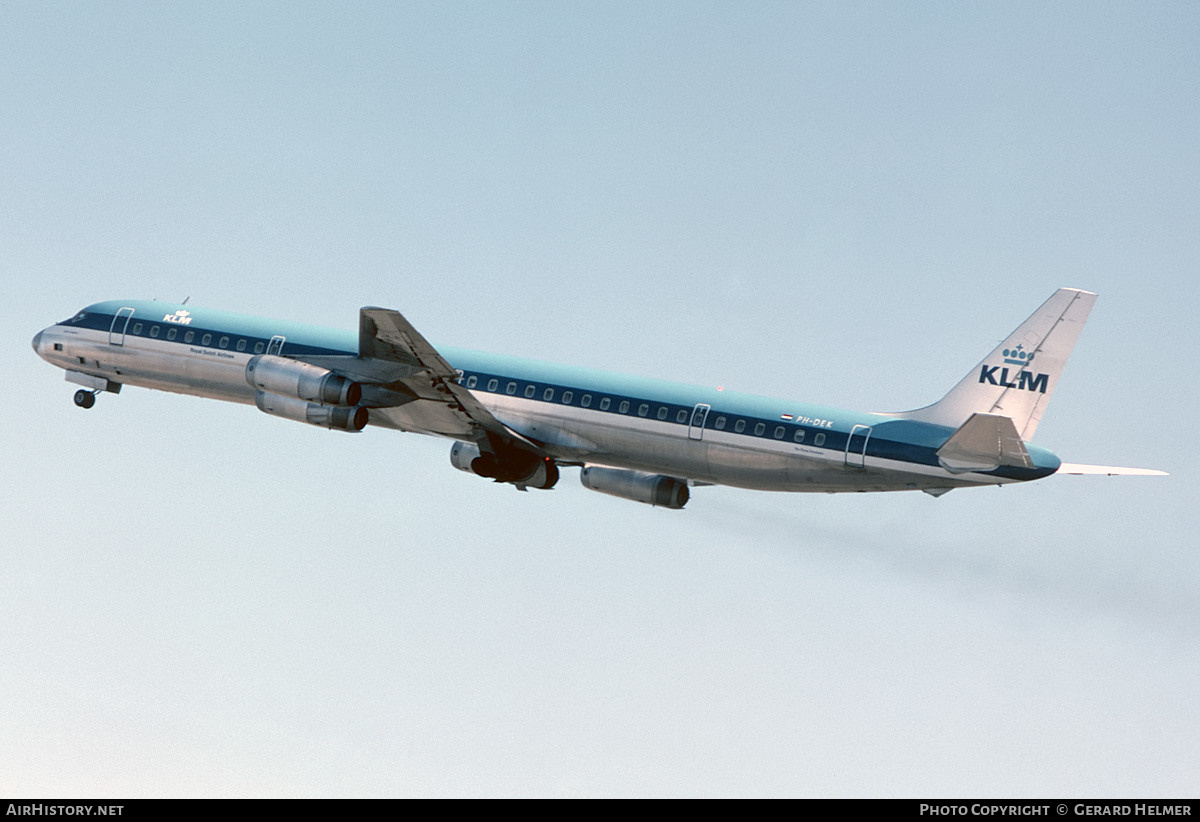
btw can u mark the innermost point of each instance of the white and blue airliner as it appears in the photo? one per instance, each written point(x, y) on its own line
point(518, 421)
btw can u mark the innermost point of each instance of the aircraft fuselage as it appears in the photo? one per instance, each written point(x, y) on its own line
point(577, 416)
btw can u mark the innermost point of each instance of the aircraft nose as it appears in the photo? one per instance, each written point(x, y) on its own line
point(37, 339)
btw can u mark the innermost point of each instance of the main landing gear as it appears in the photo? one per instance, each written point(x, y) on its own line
point(85, 399)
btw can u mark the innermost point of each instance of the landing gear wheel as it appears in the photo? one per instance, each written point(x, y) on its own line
point(85, 399)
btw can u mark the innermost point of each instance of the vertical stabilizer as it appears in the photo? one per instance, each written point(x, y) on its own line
point(1018, 377)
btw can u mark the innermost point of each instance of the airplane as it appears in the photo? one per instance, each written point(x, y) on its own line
point(519, 421)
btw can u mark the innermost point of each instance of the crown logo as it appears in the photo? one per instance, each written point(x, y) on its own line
point(1017, 356)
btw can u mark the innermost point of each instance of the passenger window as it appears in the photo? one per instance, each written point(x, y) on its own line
point(206, 339)
point(154, 331)
point(188, 337)
point(819, 439)
point(137, 328)
point(241, 346)
point(258, 347)
point(471, 380)
point(623, 407)
point(605, 403)
point(779, 432)
point(643, 410)
point(548, 394)
point(530, 390)
point(662, 412)
point(493, 385)
point(681, 416)
point(224, 342)
point(567, 397)
point(511, 388)
point(739, 426)
point(758, 429)
point(171, 332)
point(585, 400)
point(719, 424)
point(799, 435)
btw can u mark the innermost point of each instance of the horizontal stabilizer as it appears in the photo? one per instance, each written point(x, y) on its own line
point(983, 443)
point(1109, 470)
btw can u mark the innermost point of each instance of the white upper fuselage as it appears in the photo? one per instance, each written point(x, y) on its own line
point(704, 435)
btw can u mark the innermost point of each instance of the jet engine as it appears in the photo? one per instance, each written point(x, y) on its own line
point(653, 489)
point(521, 468)
point(338, 417)
point(290, 378)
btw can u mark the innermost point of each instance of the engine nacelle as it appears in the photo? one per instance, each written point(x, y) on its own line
point(521, 468)
point(462, 454)
point(290, 378)
point(337, 417)
point(653, 489)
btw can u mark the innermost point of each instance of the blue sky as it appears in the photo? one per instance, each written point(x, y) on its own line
point(840, 203)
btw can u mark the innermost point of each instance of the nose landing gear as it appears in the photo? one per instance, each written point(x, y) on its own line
point(85, 399)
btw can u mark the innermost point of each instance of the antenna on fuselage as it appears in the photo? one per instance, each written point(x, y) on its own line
point(185, 299)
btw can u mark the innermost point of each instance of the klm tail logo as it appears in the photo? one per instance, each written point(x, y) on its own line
point(1025, 380)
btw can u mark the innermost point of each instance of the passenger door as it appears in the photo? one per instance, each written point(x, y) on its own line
point(699, 415)
point(856, 446)
point(116, 331)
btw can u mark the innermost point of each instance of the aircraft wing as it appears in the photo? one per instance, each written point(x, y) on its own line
point(421, 392)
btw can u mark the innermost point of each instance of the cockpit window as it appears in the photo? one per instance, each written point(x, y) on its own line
point(78, 318)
